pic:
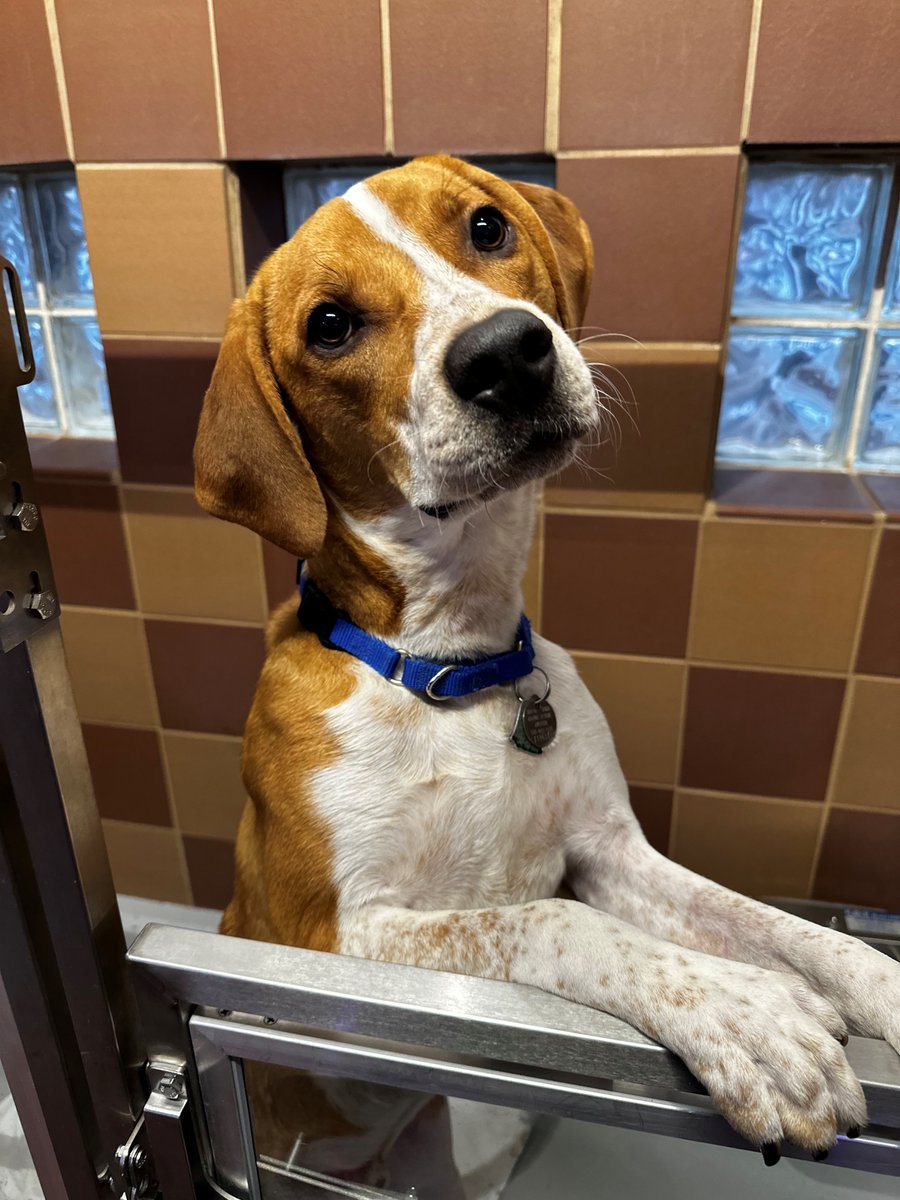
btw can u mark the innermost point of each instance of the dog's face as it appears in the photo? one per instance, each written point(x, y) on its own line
point(407, 346)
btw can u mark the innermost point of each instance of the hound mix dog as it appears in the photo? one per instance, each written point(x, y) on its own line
point(395, 383)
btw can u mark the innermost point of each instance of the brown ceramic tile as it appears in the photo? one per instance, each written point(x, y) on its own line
point(280, 569)
point(642, 703)
point(469, 77)
point(157, 389)
point(263, 215)
point(660, 432)
point(757, 847)
point(619, 584)
point(146, 861)
point(885, 490)
point(205, 774)
point(662, 237)
point(126, 767)
point(779, 593)
point(139, 79)
point(211, 866)
point(653, 808)
point(867, 771)
point(645, 92)
point(109, 667)
point(815, 495)
point(32, 127)
point(300, 86)
point(879, 649)
point(65, 457)
point(87, 543)
point(205, 675)
point(858, 864)
point(160, 248)
point(759, 732)
point(188, 564)
point(826, 71)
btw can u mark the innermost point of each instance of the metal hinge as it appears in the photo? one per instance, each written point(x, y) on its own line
point(136, 1164)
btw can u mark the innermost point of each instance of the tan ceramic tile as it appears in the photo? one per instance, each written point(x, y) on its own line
point(779, 593)
point(188, 564)
point(130, 68)
point(110, 667)
point(868, 765)
point(160, 249)
point(642, 702)
point(676, 77)
point(826, 71)
point(146, 861)
point(756, 847)
point(205, 775)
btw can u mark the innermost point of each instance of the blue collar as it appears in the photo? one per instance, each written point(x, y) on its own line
point(439, 680)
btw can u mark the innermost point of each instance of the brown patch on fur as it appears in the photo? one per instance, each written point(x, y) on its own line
point(284, 883)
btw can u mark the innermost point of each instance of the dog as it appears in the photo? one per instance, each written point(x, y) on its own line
point(387, 397)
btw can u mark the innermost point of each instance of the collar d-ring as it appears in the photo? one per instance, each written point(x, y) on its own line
point(436, 678)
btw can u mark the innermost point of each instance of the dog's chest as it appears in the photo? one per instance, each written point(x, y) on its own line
point(433, 807)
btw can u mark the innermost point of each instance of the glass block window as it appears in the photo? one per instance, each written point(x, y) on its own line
point(42, 235)
point(812, 374)
point(306, 188)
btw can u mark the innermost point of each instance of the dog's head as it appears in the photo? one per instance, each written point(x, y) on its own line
point(407, 346)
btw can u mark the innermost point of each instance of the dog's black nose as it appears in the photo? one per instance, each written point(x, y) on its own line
point(504, 363)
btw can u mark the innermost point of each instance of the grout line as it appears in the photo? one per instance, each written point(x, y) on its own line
point(750, 77)
point(753, 797)
point(162, 337)
point(652, 152)
point(99, 611)
point(580, 510)
point(695, 587)
point(129, 548)
point(217, 80)
point(554, 76)
point(60, 72)
point(713, 664)
point(387, 76)
point(167, 776)
point(155, 165)
point(862, 392)
point(673, 825)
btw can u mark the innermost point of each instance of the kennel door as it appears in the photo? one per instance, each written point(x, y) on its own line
point(346, 1038)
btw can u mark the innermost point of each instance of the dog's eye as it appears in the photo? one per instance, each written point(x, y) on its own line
point(490, 230)
point(329, 326)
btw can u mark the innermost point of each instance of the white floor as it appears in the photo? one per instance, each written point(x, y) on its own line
point(565, 1160)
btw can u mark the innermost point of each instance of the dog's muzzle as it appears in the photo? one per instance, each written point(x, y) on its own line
point(504, 363)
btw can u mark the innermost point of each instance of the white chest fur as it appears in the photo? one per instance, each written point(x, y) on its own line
point(431, 806)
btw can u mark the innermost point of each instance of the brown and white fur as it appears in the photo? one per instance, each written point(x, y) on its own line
point(385, 826)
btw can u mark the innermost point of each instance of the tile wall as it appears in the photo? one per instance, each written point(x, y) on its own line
point(745, 648)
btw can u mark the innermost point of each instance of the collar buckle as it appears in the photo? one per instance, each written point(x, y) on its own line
point(396, 676)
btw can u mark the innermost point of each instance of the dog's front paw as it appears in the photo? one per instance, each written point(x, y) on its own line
point(863, 984)
point(768, 1050)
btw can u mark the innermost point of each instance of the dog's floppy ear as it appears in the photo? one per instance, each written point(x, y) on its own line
point(249, 464)
point(572, 242)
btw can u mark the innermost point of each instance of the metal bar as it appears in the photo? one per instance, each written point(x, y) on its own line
point(168, 1129)
point(461, 1015)
point(54, 843)
point(36, 1065)
point(228, 1158)
point(503, 1085)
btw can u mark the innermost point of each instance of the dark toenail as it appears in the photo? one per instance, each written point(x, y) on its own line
point(843, 1039)
point(771, 1153)
point(853, 1131)
point(819, 1155)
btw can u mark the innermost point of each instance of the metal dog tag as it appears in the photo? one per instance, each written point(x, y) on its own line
point(535, 725)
